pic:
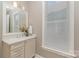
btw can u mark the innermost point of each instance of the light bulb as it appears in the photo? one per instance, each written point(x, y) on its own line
point(23, 8)
point(15, 4)
point(7, 6)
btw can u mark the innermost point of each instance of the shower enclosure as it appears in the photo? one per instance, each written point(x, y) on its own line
point(58, 27)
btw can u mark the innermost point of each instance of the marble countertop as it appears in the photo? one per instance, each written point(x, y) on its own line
point(16, 40)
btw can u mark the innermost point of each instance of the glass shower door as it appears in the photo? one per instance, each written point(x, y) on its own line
point(56, 32)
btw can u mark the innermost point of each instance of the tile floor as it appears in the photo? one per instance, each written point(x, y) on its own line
point(38, 56)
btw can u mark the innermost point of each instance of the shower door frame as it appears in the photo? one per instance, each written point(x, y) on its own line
point(71, 30)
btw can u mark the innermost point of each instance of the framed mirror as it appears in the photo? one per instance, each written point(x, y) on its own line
point(15, 20)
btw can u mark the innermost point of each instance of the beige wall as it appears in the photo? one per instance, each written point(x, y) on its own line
point(35, 19)
point(76, 18)
point(0, 27)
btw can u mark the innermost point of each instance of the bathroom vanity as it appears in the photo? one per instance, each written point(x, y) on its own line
point(15, 21)
point(19, 47)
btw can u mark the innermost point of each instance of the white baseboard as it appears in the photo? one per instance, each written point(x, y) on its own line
point(77, 53)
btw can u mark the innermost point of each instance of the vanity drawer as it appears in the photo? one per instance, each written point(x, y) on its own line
point(18, 55)
point(17, 50)
point(15, 46)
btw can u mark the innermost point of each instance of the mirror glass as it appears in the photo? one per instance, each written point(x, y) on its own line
point(15, 20)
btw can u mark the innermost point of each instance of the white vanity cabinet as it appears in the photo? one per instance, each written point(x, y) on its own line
point(14, 50)
point(19, 47)
point(29, 48)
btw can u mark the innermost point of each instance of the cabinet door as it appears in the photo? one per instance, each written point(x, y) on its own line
point(17, 50)
point(29, 48)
